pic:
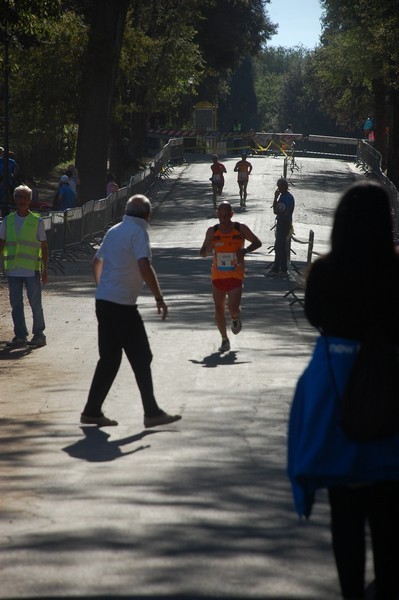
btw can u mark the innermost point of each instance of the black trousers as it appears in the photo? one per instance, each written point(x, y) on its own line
point(351, 508)
point(120, 328)
point(283, 229)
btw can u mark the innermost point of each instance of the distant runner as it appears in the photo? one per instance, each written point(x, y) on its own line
point(226, 241)
point(243, 168)
point(217, 178)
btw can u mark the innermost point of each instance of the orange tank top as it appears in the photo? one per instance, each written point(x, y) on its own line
point(225, 246)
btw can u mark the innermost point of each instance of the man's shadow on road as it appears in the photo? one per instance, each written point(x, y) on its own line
point(95, 446)
point(9, 353)
point(216, 359)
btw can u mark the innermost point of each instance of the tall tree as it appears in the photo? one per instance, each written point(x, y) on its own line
point(160, 66)
point(43, 130)
point(358, 65)
point(173, 39)
point(99, 76)
point(20, 24)
point(241, 103)
point(229, 32)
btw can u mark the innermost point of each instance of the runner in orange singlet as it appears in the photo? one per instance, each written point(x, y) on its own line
point(226, 240)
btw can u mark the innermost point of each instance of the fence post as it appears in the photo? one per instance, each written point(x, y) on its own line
point(310, 248)
point(285, 167)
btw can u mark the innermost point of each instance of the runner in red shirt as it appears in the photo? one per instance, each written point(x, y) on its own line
point(217, 178)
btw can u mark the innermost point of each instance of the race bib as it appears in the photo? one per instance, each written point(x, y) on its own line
point(226, 261)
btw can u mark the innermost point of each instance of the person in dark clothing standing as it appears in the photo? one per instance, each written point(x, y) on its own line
point(350, 290)
point(283, 207)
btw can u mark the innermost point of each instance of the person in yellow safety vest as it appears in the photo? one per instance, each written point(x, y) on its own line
point(24, 246)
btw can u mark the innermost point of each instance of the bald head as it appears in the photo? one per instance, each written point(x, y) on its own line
point(225, 206)
point(138, 206)
point(282, 184)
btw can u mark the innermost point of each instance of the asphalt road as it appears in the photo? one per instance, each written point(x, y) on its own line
point(201, 508)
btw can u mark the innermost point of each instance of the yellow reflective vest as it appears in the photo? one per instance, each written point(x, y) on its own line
point(23, 251)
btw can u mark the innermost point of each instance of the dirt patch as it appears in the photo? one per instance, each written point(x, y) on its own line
point(75, 277)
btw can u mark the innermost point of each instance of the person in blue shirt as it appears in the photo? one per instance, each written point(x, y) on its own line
point(283, 207)
point(66, 195)
point(368, 127)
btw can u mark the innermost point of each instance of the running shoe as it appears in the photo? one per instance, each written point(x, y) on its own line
point(236, 325)
point(225, 346)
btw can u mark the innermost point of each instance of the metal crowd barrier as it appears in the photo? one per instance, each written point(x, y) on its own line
point(267, 143)
point(74, 231)
point(370, 160)
point(297, 292)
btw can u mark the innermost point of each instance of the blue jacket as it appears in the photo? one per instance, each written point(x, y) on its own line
point(66, 197)
point(319, 453)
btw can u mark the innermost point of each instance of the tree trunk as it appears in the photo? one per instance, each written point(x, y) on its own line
point(103, 52)
point(117, 152)
point(393, 140)
point(379, 92)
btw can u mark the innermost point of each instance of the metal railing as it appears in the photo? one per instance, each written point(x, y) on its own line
point(370, 161)
point(75, 230)
point(267, 143)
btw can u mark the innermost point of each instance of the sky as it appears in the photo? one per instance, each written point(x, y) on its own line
point(299, 22)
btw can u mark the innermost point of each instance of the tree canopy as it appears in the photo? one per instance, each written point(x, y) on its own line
point(357, 67)
point(87, 78)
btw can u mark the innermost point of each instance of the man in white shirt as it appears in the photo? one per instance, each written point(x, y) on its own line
point(121, 265)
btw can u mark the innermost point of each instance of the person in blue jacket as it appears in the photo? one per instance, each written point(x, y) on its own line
point(66, 195)
point(353, 288)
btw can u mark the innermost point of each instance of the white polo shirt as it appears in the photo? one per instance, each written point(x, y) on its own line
point(123, 245)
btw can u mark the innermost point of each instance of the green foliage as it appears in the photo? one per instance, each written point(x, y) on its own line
point(241, 103)
point(44, 92)
point(160, 64)
point(230, 31)
point(27, 17)
point(157, 71)
point(360, 44)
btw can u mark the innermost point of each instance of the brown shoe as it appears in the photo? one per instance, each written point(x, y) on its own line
point(163, 419)
point(102, 421)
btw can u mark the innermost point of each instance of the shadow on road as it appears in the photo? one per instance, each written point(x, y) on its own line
point(97, 447)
